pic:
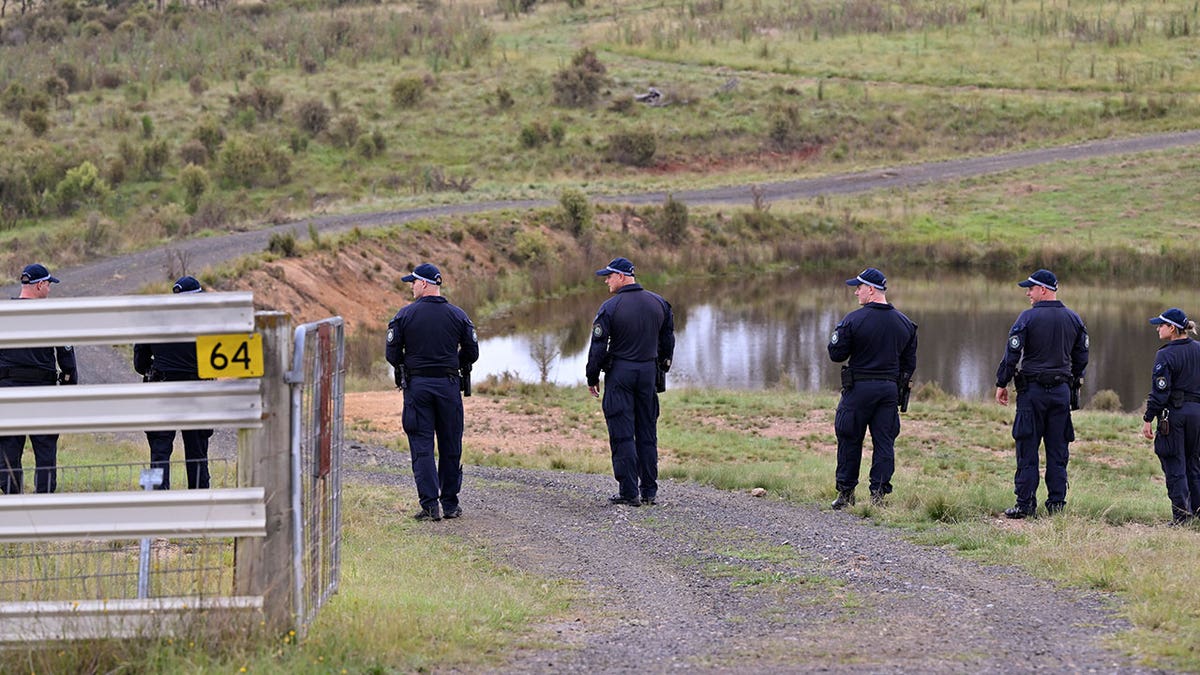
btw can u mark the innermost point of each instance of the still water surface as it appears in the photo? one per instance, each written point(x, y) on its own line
point(771, 331)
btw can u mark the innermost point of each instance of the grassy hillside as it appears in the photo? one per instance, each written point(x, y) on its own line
point(127, 127)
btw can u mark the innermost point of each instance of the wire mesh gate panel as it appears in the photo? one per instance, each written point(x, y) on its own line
point(317, 378)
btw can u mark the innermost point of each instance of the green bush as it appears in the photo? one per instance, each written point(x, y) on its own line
point(1107, 399)
point(210, 133)
point(51, 29)
point(533, 247)
point(197, 85)
point(534, 135)
point(195, 182)
point(632, 148)
point(115, 171)
point(109, 79)
point(265, 102)
point(147, 126)
point(82, 185)
point(14, 100)
point(504, 98)
point(17, 197)
point(577, 210)
point(558, 131)
point(365, 146)
point(312, 116)
point(56, 87)
point(69, 73)
point(345, 130)
point(282, 243)
point(579, 84)
point(672, 222)
point(155, 156)
point(407, 92)
point(252, 161)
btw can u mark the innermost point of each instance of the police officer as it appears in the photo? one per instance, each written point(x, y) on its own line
point(633, 342)
point(175, 362)
point(1049, 345)
point(1175, 400)
point(33, 366)
point(881, 345)
point(432, 344)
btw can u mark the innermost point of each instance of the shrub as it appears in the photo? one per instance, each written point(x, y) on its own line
point(36, 121)
point(193, 152)
point(579, 84)
point(1107, 399)
point(92, 29)
point(672, 222)
point(365, 146)
point(68, 73)
point(210, 133)
point(17, 197)
point(558, 131)
point(504, 98)
point(14, 100)
point(533, 247)
point(634, 148)
point(147, 126)
point(155, 156)
point(197, 85)
point(252, 161)
point(56, 87)
point(282, 243)
point(345, 130)
point(263, 101)
point(195, 182)
point(312, 116)
point(109, 79)
point(114, 173)
point(577, 210)
point(533, 135)
point(407, 92)
point(82, 185)
point(51, 29)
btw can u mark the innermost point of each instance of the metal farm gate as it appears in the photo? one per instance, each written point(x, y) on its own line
point(107, 557)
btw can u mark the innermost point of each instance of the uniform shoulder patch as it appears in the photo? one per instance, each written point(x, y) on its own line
point(391, 334)
point(1014, 342)
point(1087, 343)
point(597, 330)
point(833, 339)
point(1160, 383)
point(1158, 368)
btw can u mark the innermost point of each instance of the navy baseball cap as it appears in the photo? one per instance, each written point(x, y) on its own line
point(1174, 317)
point(425, 272)
point(36, 272)
point(617, 266)
point(187, 284)
point(871, 277)
point(1043, 278)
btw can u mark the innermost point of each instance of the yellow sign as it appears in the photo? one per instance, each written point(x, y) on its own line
point(229, 355)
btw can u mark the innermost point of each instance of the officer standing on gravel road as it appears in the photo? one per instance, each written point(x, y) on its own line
point(1047, 352)
point(633, 342)
point(880, 344)
point(28, 367)
point(175, 362)
point(1175, 400)
point(432, 345)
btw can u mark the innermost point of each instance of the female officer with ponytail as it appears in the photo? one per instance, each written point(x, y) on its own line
point(1175, 400)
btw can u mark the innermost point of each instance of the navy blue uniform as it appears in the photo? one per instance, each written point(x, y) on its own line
point(174, 362)
point(1049, 345)
point(1177, 371)
point(433, 340)
point(632, 336)
point(30, 367)
point(881, 345)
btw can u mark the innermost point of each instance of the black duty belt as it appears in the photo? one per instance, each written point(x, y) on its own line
point(868, 375)
point(1191, 398)
point(28, 374)
point(433, 372)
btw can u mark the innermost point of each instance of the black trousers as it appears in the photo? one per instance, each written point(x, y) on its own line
point(195, 452)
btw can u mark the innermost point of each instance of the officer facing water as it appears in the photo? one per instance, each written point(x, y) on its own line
point(175, 362)
point(881, 345)
point(1175, 400)
point(633, 342)
point(1046, 356)
point(432, 345)
point(29, 367)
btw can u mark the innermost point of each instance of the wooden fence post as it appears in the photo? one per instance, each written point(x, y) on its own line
point(265, 566)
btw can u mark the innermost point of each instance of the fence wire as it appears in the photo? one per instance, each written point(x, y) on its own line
point(318, 436)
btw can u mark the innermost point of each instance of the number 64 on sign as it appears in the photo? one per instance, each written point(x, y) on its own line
point(229, 356)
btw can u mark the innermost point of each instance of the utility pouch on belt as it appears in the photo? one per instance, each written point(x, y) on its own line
point(1076, 384)
point(1164, 423)
point(464, 380)
point(847, 378)
point(401, 376)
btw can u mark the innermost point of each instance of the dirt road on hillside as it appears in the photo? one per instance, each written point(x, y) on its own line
point(713, 581)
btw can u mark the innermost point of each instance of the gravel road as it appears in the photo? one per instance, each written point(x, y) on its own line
point(714, 581)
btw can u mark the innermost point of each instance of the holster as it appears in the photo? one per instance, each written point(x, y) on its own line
point(847, 378)
point(1076, 384)
point(904, 389)
point(660, 379)
point(1021, 383)
point(464, 380)
point(401, 377)
point(1176, 398)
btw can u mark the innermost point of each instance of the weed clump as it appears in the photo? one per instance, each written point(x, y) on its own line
point(253, 161)
point(312, 116)
point(1107, 400)
point(671, 223)
point(407, 92)
point(577, 210)
point(632, 148)
point(282, 243)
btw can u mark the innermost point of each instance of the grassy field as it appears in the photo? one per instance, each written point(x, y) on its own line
point(307, 109)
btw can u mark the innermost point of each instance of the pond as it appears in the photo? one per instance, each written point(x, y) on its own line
point(771, 331)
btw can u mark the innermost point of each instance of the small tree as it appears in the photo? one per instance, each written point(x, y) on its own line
point(672, 222)
point(577, 210)
point(579, 84)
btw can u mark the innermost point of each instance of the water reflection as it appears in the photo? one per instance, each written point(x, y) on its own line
point(771, 331)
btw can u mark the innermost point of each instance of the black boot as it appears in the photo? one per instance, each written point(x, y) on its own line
point(1019, 511)
point(845, 498)
point(1053, 508)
